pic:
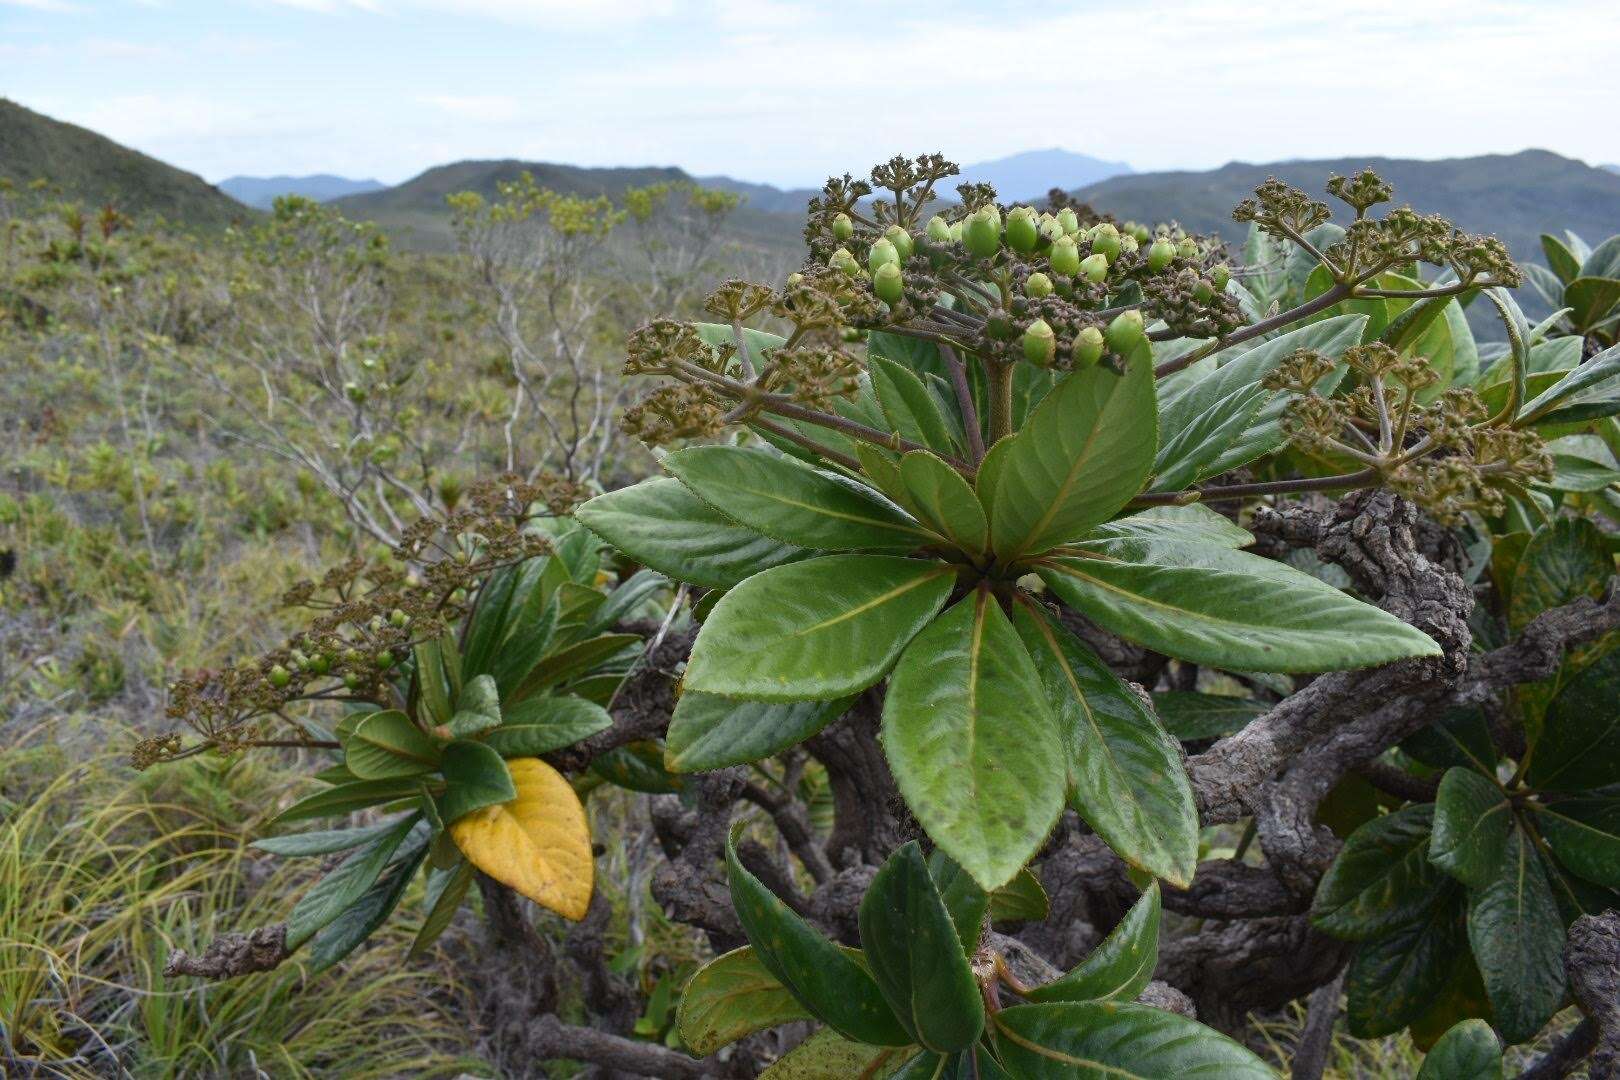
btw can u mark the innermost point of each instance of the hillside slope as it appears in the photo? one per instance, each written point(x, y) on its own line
point(261, 192)
point(92, 169)
point(1516, 196)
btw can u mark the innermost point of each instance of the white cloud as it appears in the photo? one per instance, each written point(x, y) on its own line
point(492, 108)
point(55, 6)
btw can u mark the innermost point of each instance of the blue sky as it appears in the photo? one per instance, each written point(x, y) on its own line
point(787, 92)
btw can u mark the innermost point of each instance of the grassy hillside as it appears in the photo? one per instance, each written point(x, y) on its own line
point(1516, 196)
point(415, 214)
point(90, 168)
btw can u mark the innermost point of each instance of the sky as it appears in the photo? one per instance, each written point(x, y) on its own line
point(787, 92)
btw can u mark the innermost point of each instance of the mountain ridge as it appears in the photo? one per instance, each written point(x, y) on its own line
point(261, 192)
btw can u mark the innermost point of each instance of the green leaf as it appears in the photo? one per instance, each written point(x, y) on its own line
point(1196, 524)
point(1023, 899)
point(478, 708)
point(327, 898)
point(1469, 1051)
point(324, 842)
point(432, 681)
point(1518, 939)
point(1381, 879)
point(1191, 716)
point(730, 997)
point(360, 919)
point(1593, 299)
point(962, 896)
point(1125, 776)
point(1459, 737)
point(1082, 455)
point(386, 745)
point(827, 1055)
point(831, 982)
point(638, 766)
point(1581, 463)
point(818, 629)
point(913, 953)
point(345, 798)
point(1230, 609)
point(708, 731)
point(1560, 259)
point(1394, 978)
point(793, 503)
point(1590, 381)
point(971, 742)
point(660, 523)
point(909, 407)
point(1472, 819)
point(1579, 748)
point(572, 662)
point(943, 501)
point(1111, 1041)
point(1119, 968)
point(476, 777)
point(540, 725)
point(445, 891)
point(1585, 835)
point(1603, 260)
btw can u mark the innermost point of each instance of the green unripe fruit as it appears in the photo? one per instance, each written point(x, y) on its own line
point(883, 253)
point(1068, 220)
point(1202, 292)
point(901, 240)
point(1105, 241)
point(397, 619)
point(1127, 243)
point(353, 657)
point(1220, 274)
point(1125, 332)
point(1038, 285)
point(956, 231)
point(850, 334)
point(939, 230)
point(887, 283)
point(1050, 228)
point(1088, 347)
point(279, 677)
point(1040, 344)
point(1140, 232)
point(1023, 233)
point(981, 234)
point(843, 260)
point(1188, 248)
point(1065, 256)
point(353, 682)
point(1094, 267)
point(794, 279)
point(384, 660)
point(1159, 255)
point(320, 665)
point(842, 228)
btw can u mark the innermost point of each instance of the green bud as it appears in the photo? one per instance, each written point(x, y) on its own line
point(939, 230)
point(842, 228)
point(1127, 243)
point(384, 660)
point(1022, 231)
point(1050, 228)
point(353, 657)
point(887, 284)
point(1188, 248)
point(883, 252)
point(1067, 219)
point(981, 234)
point(1159, 255)
point(1039, 343)
point(320, 665)
point(398, 619)
point(1065, 256)
point(1220, 274)
point(1038, 285)
point(1105, 241)
point(279, 677)
point(1094, 267)
point(850, 334)
point(1125, 332)
point(843, 260)
point(1088, 347)
point(353, 682)
point(1141, 232)
point(901, 240)
point(794, 278)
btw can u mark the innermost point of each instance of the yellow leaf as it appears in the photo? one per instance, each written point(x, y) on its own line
point(538, 843)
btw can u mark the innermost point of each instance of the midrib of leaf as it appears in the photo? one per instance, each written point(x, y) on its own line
point(858, 609)
point(975, 646)
point(1570, 759)
point(1058, 1055)
point(1069, 479)
point(1479, 821)
point(1144, 600)
point(777, 497)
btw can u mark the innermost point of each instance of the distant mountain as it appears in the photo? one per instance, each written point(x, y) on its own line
point(80, 165)
point(1031, 174)
point(262, 191)
point(1516, 196)
point(1610, 168)
point(764, 197)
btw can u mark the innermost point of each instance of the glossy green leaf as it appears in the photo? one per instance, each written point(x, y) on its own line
point(478, 708)
point(1579, 748)
point(638, 766)
point(831, 982)
point(707, 731)
point(1082, 455)
point(1469, 1051)
point(540, 725)
point(1190, 715)
point(1518, 938)
point(1023, 899)
point(913, 953)
point(572, 662)
point(345, 884)
point(1394, 978)
point(910, 408)
point(1381, 879)
point(445, 891)
point(323, 842)
point(1581, 462)
point(966, 901)
point(971, 742)
point(660, 523)
point(1195, 524)
point(476, 777)
point(1585, 835)
point(1472, 820)
point(1112, 1041)
point(732, 996)
point(1460, 737)
point(791, 502)
point(818, 629)
point(1119, 968)
point(1234, 610)
point(345, 798)
point(827, 1055)
point(1598, 378)
point(943, 501)
point(361, 919)
point(1560, 258)
point(1593, 300)
point(386, 744)
point(1125, 776)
